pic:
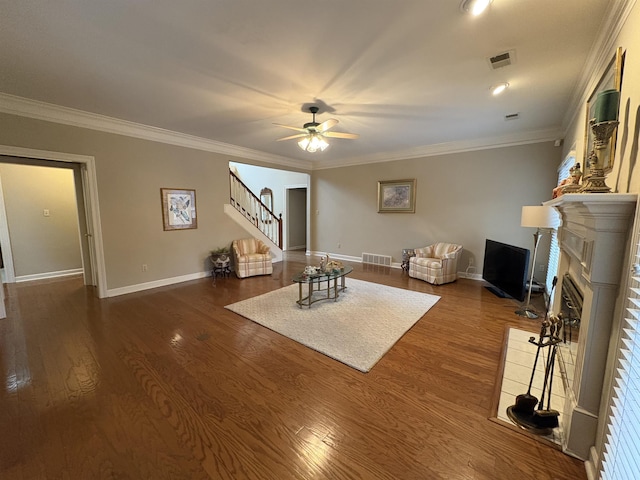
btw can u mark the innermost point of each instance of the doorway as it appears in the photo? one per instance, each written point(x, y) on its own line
point(296, 208)
point(86, 201)
point(38, 207)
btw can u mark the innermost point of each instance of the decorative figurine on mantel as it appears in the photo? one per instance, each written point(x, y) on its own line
point(571, 184)
point(574, 180)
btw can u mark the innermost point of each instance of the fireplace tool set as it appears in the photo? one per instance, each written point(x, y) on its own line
point(528, 413)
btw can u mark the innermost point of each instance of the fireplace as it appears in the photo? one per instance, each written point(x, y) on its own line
point(570, 305)
point(594, 239)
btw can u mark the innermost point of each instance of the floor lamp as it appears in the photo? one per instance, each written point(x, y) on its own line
point(538, 217)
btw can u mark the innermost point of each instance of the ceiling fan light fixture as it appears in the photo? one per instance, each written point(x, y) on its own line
point(313, 142)
point(304, 143)
point(499, 88)
point(312, 136)
point(474, 7)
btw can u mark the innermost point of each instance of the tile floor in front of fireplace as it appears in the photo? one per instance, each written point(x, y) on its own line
point(519, 360)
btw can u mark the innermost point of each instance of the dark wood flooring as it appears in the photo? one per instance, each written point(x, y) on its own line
point(167, 384)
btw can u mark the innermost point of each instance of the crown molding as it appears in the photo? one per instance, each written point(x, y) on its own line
point(38, 110)
point(523, 138)
point(599, 57)
point(25, 107)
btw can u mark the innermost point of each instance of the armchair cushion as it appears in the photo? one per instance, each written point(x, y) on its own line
point(437, 263)
point(251, 257)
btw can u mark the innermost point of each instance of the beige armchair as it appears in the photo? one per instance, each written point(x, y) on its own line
point(437, 263)
point(251, 257)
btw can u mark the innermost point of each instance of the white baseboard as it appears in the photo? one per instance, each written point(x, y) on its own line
point(336, 256)
point(470, 276)
point(348, 258)
point(46, 275)
point(591, 464)
point(114, 292)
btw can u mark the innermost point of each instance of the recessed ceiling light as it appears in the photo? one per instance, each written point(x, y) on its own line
point(474, 7)
point(499, 88)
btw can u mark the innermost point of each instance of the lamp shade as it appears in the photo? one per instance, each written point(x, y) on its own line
point(539, 217)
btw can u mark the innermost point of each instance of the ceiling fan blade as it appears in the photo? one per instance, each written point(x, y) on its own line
point(326, 125)
point(341, 135)
point(299, 135)
point(297, 129)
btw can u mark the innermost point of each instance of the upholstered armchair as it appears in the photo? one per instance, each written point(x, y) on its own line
point(437, 263)
point(251, 257)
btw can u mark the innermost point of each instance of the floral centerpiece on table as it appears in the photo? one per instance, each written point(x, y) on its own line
point(333, 266)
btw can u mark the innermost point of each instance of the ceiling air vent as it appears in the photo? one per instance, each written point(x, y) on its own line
point(512, 116)
point(502, 60)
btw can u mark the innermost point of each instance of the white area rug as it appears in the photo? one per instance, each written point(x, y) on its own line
point(357, 329)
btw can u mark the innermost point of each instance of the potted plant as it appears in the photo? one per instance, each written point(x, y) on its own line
point(220, 256)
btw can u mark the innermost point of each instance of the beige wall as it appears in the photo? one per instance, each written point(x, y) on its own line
point(130, 173)
point(462, 198)
point(625, 176)
point(41, 244)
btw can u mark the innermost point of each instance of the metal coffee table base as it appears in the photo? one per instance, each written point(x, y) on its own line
point(333, 291)
point(316, 284)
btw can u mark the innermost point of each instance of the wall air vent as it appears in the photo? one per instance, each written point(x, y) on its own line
point(502, 59)
point(512, 116)
point(375, 259)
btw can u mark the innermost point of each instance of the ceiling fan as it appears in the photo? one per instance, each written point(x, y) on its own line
point(313, 133)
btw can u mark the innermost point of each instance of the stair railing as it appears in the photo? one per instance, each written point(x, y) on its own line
point(252, 208)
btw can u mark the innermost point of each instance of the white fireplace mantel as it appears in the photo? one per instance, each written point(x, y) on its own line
point(593, 241)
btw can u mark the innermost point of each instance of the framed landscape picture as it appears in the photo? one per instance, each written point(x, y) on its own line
point(178, 209)
point(397, 196)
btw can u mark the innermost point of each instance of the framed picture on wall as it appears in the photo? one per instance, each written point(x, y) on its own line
point(611, 79)
point(397, 196)
point(178, 208)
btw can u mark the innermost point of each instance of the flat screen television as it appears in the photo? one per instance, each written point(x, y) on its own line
point(505, 268)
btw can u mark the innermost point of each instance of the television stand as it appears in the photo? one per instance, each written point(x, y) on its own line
point(498, 293)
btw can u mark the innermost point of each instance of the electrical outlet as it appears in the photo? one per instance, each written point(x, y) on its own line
point(144, 267)
point(45, 212)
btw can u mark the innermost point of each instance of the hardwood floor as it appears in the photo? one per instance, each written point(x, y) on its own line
point(167, 384)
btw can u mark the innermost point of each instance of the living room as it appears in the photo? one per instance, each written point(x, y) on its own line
point(466, 193)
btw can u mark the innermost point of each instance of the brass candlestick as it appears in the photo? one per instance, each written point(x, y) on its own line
point(602, 132)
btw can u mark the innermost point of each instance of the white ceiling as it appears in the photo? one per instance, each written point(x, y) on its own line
point(407, 75)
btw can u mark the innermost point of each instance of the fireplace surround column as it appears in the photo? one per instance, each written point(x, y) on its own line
point(593, 240)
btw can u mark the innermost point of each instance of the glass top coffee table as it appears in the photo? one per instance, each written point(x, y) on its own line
point(316, 284)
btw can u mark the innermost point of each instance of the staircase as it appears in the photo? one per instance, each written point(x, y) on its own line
point(246, 209)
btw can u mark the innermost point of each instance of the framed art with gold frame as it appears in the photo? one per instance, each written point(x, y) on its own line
point(178, 208)
point(611, 78)
point(397, 196)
